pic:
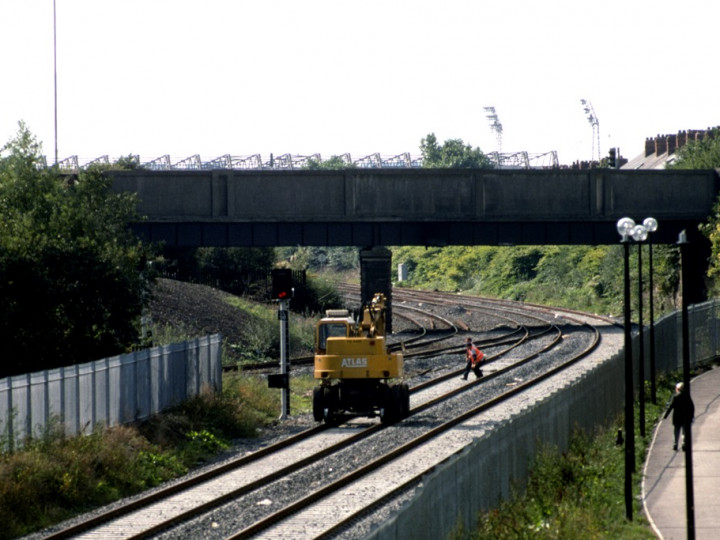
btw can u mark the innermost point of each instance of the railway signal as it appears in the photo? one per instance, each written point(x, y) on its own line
point(282, 291)
point(282, 284)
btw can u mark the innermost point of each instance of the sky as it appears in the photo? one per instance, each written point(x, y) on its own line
point(157, 77)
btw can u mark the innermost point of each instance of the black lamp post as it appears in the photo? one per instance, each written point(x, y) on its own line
point(640, 234)
point(624, 228)
point(689, 493)
point(641, 344)
point(651, 225)
point(627, 229)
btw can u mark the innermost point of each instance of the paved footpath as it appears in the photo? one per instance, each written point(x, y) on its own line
point(663, 488)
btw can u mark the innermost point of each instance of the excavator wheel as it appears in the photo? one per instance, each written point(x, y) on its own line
point(393, 406)
point(318, 403)
point(405, 400)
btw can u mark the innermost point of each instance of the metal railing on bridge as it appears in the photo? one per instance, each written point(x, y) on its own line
point(512, 160)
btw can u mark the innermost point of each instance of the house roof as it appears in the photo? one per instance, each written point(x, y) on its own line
point(661, 150)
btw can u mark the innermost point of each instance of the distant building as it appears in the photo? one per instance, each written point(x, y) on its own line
point(661, 150)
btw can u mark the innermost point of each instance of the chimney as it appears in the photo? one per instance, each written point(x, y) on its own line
point(681, 139)
point(649, 146)
point(660, 145)
point(671, 143)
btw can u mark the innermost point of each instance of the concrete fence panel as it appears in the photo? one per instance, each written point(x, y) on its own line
point(110, 391)
point(71, 412)
point(143, 399)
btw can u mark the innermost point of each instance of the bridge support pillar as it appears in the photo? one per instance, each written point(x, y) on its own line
point(375, 272)
point(698, 254)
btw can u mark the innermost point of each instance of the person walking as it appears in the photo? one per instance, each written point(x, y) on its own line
point(473, 360)
point(683, 410)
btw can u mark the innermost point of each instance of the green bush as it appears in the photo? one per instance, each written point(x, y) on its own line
point(54, 477)
point(577, 277)
point(201, 444)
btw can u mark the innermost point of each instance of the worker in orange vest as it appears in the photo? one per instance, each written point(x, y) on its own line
point(473, 358)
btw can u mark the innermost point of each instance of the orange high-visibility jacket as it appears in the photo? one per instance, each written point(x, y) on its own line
point(475, 355)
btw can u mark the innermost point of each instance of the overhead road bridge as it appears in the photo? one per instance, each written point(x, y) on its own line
point(428, 207)
point(371, 208)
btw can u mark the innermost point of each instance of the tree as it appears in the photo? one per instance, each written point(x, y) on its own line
point(703, 154)
point(235, 269)
point(453, 154)
point(334, 163)
point(129, 163)
point(73, 280)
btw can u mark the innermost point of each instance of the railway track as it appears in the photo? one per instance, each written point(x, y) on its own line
point(255, 485)
point(422, 328)
point(424, 332)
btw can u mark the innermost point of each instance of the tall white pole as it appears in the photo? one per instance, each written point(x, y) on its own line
point(55, 78)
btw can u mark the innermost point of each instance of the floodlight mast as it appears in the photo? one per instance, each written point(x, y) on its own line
point(495, 126)
point(595, 123)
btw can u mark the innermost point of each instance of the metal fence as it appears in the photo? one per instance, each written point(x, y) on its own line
point(110, 391)
point(704, 338)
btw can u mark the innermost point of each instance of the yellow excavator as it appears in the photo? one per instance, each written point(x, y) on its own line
point(354, 367)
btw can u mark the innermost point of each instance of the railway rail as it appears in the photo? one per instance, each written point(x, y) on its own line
point(422, 329)
point(253, 486)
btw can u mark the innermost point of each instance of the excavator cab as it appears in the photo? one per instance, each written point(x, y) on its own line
point(336, 323)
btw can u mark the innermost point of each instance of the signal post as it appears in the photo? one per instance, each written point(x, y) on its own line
point(282, 292)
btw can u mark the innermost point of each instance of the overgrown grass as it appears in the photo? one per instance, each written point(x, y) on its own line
point(165, 334)
point(54, 477)
point(578, 493)
point(262, 334)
